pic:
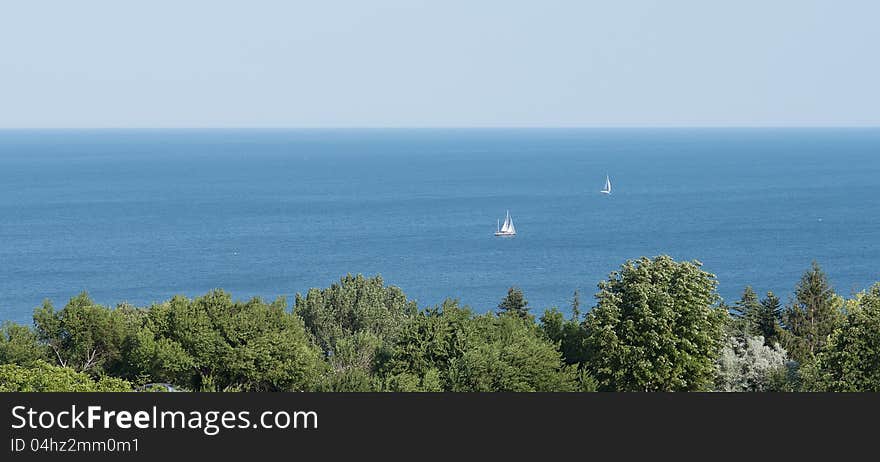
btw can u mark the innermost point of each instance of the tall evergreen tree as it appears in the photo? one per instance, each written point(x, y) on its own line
point(745, 312)
point(812, 316)
point(766, 320)
point(514, 303)
point(576, 306)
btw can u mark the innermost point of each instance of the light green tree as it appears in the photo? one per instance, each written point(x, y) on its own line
point(85, 336)
point(851, 359)
point(20, 345)
point(215, 343)
point(655, 327)
point(44, 377)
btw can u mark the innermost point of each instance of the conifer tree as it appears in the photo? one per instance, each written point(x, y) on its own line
point(745, 312)
point(766, 320)
point(514, 303)
point(812, 316)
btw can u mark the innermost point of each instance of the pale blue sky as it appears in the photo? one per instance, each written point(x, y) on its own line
point(261, 63)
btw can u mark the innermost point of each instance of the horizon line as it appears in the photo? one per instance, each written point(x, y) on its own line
point(438, 127)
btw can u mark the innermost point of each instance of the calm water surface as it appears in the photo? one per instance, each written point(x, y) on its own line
point(142, 215)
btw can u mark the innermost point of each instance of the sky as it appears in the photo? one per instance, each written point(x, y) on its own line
point(444, 63)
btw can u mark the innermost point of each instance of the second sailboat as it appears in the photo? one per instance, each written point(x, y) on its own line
point(507, 229)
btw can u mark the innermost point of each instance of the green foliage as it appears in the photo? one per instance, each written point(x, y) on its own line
point(42, 376)
point(752, 317)
point(812, 317)
point(354, 304)
point(20, 345)
point(654, 327)
point(449, 348)
point(353, 322)
point(851, 359)
point(432, 340)
point(83, 335)
point(569, 335)
point(658, 325)
point(765, 321)
point(576, 306)
point(409, 382)
point(507, 353)
point(214, 343)
point(747, 307)
point(514, 303)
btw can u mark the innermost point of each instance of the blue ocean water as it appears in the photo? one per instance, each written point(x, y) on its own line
point(141, 215)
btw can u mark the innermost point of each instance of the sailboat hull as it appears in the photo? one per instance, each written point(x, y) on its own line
point(503, 234)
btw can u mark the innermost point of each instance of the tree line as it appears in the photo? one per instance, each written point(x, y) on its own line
point(656, 325)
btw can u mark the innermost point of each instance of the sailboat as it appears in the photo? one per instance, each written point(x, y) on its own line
point(607, 188)
point(507, 229)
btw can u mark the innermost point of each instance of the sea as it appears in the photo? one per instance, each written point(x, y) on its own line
point(138, 216)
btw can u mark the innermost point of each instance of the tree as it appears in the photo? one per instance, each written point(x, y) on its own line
point(433, 340)
point(213, 343)
point(851, 359)
point(449, 348)
point(83, 335)
point(576, 306)
point(765, 321)
point(43, 377)
point(514, 303)
point(19, 345)
point(354, 322)
point(747, 308)
point(654, 327)
point(506, 354)
point(569, 335)
point(747, 364)
point(354, 304)
point(812, 317)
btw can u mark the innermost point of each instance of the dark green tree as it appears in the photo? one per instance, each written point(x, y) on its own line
point(747, 307)
point(449, 348)
point(655, 327)
point(576, 306)
point(765, 321)
point(812, 316)
point(506, 354)
point(433, 340)
point(213, 343)
point(569, 335)
point(514, 303)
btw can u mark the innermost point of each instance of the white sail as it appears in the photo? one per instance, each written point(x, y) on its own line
point(506, 229)
point(607, 188)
